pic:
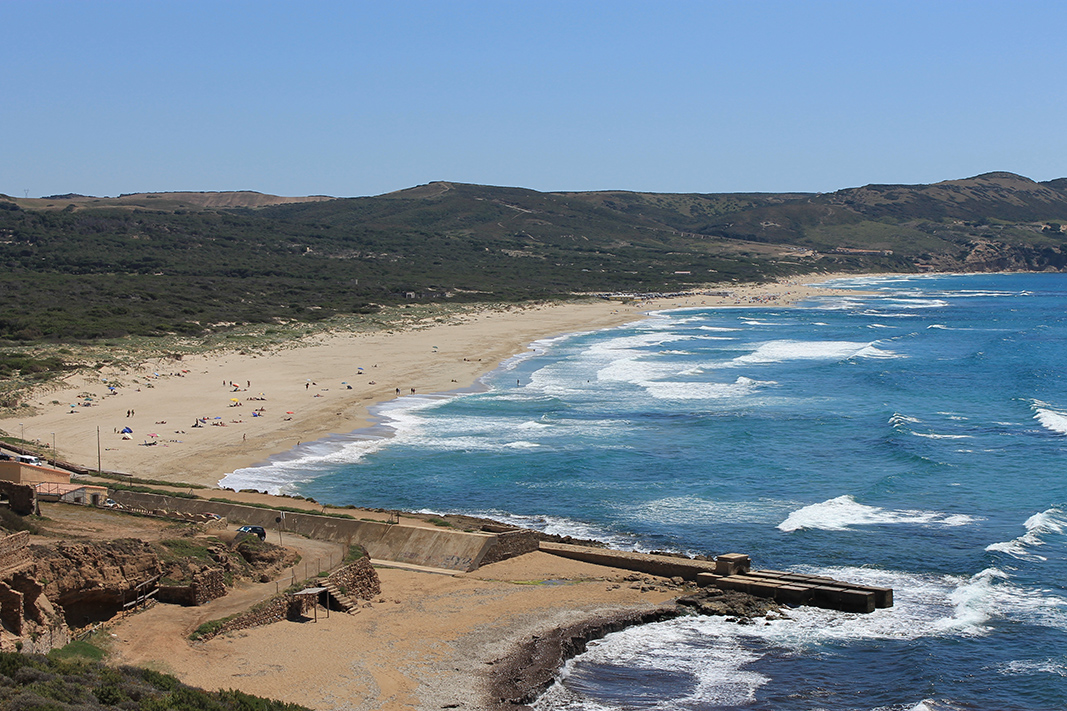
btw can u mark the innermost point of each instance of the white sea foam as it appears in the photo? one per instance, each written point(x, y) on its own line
point(533, 425)
point(930, 605)
point(557, 526)
point(400, 421)
point(719, 329)
point(1027, 667)
point(742, 387)
point(1039, 527)
point(930, 435)
point(781, 351)
point(844, 512)
point(696, 510)
point(635, 370)
point(1054, 420)
point(916, 303)
point(899, 421)
point(716, 671)
point(989, 595)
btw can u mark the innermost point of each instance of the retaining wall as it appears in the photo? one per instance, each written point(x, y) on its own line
point(432, 547)
point(358, 580)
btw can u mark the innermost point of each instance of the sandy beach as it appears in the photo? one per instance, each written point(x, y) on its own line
point(255, 403)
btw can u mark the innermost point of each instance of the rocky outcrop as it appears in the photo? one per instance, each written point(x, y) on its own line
point(21, 498)
point(28, 619)
point(92, 581)
point(729, 603)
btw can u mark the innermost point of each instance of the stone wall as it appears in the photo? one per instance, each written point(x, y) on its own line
point(510, 544)
point(22, 498)
point(209, 585)
point(278, 608)
point(14, 549)
point(358, 580)
point(206, 586)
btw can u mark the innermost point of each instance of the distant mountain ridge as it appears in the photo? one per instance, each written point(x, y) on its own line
point(178, 200)
point(180, 262)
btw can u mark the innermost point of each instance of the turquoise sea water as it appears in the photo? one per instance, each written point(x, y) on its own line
point(913, 435)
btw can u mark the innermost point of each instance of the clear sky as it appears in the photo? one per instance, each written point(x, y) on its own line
point(359, 98)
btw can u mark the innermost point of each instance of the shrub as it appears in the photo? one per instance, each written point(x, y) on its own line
point(77, 649)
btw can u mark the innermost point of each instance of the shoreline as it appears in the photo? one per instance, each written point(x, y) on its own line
point(321, 386)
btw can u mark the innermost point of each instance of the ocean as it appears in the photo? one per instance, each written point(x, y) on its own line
point(912, 434)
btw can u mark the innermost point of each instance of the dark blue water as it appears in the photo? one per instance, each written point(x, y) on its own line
point(912, 435)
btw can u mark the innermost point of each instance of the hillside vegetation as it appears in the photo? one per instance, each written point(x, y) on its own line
point(65, 680)
point(83, 268)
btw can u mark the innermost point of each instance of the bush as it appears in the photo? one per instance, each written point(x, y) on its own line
point(36, 683)
point(77, 650)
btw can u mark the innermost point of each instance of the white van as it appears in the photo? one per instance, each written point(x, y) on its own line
point(28, 459)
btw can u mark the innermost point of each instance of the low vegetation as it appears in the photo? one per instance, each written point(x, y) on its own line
point(66, 680)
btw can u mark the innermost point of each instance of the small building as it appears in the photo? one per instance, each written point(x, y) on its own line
point(85, 494)
point(22, 473)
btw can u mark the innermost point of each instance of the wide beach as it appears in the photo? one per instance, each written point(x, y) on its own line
point(251, 403)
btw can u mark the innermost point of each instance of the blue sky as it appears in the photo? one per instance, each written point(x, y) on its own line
point(361, 98)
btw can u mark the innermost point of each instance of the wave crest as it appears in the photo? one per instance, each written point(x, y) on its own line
point(844, 512)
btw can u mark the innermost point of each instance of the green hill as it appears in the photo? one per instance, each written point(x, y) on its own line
point(80, 267)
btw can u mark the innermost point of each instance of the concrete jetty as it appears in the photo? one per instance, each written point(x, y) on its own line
point(732, 571)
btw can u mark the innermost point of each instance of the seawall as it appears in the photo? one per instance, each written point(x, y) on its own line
point(412, 545)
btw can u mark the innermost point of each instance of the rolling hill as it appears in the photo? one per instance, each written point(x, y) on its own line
point(81, 267)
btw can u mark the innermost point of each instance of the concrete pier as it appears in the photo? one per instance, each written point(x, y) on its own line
point(732, 571)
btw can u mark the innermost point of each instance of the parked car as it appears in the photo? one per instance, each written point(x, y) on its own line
point(256, 530)
point(27, 459)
